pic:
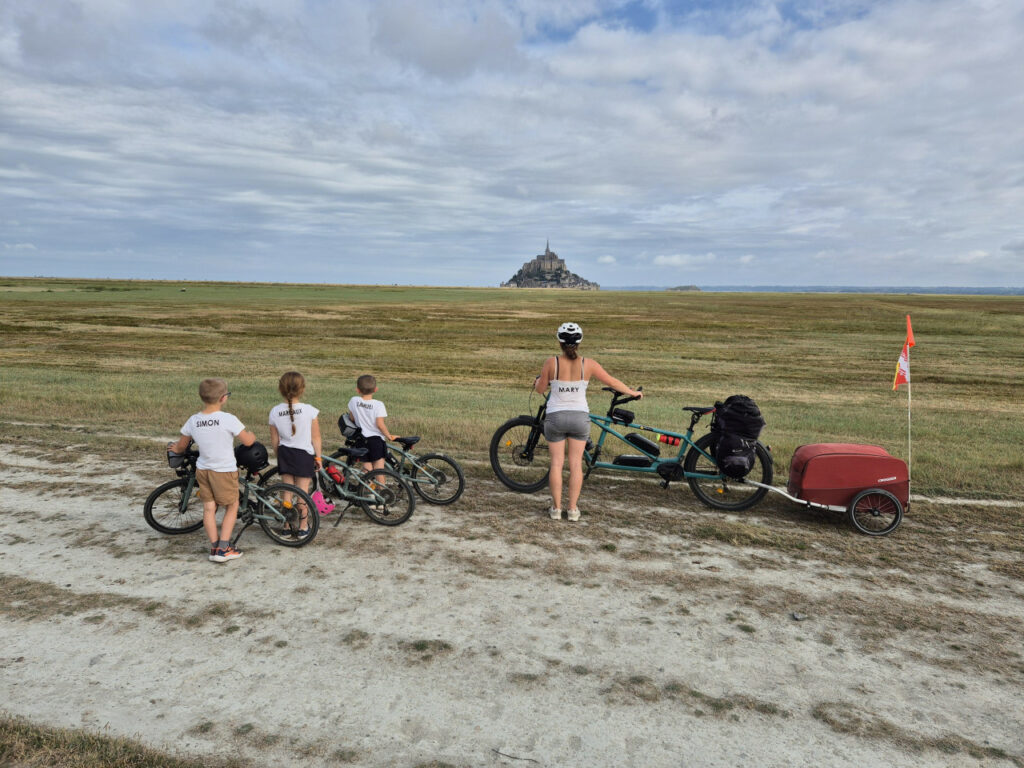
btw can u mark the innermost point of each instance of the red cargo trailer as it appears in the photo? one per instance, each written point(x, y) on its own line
point(862, 480)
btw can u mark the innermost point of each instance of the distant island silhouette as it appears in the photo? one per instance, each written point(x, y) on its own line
point(548, 271)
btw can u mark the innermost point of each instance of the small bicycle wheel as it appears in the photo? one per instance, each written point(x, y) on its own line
point(437, 479)
point(168, 511)
point(385, 497)
point(519, 455)
point(721, 492)
point(876, 512)
point(279, 509)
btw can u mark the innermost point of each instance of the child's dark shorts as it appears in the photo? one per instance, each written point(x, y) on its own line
point(376, 449)
point(295, 461)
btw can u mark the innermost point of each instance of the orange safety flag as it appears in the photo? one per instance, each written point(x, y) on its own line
point(903, 365)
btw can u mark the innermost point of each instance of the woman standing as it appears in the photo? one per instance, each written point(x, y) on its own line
point(568, 413)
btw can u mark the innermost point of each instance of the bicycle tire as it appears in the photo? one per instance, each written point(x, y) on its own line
point(398, 500)
point(438, 479)
point(721, 492)
point(517, 467)
point(283, 531)
point(876, 512)
point(163, 511)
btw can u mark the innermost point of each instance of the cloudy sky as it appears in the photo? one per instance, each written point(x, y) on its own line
point(443, 142)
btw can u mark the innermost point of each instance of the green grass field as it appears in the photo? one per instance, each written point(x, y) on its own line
point(453, 363)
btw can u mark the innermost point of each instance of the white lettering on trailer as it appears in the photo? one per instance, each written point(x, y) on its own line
point(885, 479)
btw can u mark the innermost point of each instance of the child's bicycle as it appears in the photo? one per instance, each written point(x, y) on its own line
point(174, 507)
point(519, 456)
point(382, 494)
point(437, 478)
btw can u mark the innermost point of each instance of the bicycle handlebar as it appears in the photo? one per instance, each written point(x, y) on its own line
point(618, 398)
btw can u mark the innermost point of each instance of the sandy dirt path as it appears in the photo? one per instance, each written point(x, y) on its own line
point(484, 634)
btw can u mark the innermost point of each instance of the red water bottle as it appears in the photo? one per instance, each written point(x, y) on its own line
point(669, 439)
point(336, 476)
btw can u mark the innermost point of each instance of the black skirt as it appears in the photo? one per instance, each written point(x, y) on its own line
point(295, 461)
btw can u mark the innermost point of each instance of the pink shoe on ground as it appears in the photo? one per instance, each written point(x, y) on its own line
point(322, 505)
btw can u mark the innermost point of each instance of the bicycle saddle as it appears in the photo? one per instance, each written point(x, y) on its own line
point(407, 442)
point(701, 409)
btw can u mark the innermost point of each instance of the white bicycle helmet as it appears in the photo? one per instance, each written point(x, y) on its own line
point(570, 333)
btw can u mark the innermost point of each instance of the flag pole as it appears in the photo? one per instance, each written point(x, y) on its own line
point(909, 389)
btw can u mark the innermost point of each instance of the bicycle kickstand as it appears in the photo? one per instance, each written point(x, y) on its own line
point(341, 513)
point(237, 536)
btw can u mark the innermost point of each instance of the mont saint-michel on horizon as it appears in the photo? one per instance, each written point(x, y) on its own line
point(548, 271)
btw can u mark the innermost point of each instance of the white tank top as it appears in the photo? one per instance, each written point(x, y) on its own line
point(568, 395)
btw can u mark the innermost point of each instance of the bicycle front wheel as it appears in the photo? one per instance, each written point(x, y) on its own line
point(280, 509)
point(385, 497)
point(168, 511)
point(519, 455)
point(437, 479)
point(721, 492)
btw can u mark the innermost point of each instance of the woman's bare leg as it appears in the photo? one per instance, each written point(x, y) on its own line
point(557, 453)
point(575, 470)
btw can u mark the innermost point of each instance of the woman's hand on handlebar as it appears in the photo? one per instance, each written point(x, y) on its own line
point(626, 395)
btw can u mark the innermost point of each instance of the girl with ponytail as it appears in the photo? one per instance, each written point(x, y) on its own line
point(295, 436)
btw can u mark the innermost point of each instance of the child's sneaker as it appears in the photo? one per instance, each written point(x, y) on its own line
point(555, 514)
point(573, 515)
point(219, 555)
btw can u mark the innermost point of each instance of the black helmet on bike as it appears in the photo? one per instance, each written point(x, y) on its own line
point(252, 457)
point(570, 333)
point(348, 427)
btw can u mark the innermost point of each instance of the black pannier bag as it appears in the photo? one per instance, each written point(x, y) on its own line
point(736, 427)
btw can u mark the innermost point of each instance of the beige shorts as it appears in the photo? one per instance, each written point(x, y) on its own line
point(221, 487)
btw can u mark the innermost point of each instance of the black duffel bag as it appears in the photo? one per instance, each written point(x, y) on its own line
point(736, 426)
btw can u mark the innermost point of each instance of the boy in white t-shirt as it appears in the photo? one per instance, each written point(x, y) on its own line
point(214, 432)
point(369, 414)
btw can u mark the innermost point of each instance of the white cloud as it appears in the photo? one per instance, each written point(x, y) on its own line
point(970, 258)
point(684, 260)
point(606, 259)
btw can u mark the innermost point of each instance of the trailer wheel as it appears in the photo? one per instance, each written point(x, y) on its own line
point(875, 512)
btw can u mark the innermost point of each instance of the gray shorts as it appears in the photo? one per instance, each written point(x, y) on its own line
point(563, 424)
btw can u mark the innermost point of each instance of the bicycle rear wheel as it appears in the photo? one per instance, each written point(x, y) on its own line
point(279, 512)
point(718, 491)
point(385, 497)
point(519, 455)
point(437, 479)
point(168, 511)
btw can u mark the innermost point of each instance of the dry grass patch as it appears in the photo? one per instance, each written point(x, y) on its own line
point(633, 689)
point(28, 745)
point(847, 718)
point(30, 600)
point(423, 651)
